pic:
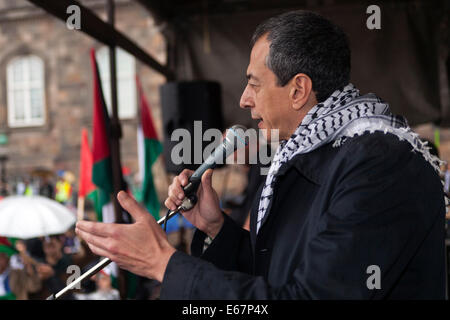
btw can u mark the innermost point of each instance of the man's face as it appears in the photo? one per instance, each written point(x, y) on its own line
point(52, 247)
point(268, 102)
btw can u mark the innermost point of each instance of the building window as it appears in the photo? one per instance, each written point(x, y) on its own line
point(126, 85)
point(25, 86)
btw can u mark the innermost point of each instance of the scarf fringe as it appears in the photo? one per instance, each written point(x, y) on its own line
point(344, 114)
point(364, 125)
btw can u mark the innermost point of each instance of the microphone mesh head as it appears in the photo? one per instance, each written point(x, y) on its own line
point(237, 132)
point(234, 139)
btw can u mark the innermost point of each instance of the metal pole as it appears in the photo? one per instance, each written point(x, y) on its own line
point(116, 134)
point(101, 31)
point(102, 264)
point(116, 131)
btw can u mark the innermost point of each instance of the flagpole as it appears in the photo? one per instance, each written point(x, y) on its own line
point(116, 134)
point(80, 208)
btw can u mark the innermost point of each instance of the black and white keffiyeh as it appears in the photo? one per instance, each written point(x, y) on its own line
point(344, 114)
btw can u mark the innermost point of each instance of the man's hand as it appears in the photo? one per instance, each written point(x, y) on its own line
point(206, 214)
point(141, 247)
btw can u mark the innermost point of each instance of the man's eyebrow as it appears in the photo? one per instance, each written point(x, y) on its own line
point(251, 76)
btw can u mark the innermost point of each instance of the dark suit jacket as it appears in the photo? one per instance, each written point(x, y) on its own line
point(336, 213)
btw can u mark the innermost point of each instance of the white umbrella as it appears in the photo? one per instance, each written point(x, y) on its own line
point(28, 217)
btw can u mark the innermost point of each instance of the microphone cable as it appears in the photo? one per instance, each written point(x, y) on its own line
point(165, 221)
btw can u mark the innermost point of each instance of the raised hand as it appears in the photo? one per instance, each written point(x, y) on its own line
point(206, 214)
point(141, 247)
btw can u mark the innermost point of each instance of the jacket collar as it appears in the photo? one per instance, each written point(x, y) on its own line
point(311, 165)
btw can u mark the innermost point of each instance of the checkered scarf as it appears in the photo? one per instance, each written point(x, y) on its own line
point(344, 114)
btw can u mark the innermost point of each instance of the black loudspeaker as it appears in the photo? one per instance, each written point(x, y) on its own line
point(182, 104)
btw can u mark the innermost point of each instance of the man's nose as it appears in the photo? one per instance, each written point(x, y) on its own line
point(246, 101)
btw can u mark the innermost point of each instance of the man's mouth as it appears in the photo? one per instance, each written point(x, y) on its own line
point(259, 119)
point(260, 122)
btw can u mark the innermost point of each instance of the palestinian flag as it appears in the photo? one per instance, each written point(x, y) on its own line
point(87, 189)
point(102, 176)
point(85, 185)
point(101, 151)
point(149, 148)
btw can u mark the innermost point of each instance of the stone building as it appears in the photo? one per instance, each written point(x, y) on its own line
point(46, 86)
point(46, 93)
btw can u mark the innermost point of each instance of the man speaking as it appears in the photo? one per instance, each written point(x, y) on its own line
point(352, 206)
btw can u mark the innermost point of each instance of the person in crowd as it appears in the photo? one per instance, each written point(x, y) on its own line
point(71, 243)
point(53, 269)
point(46, 188)
point(20, 278)
point(104, 289)
point(63, 190)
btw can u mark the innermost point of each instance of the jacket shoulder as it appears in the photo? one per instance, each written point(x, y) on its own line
point(388, 155)
point(384, 146)
point(377, 143)
point(369, 154)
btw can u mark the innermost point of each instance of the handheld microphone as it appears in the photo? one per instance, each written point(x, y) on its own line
point(234, 139)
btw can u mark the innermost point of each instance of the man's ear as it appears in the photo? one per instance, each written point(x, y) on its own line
point(301, 89)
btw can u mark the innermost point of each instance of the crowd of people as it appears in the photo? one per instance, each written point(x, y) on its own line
point(58, 186)
point(36, 268)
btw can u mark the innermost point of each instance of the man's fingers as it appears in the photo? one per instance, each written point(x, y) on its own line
point(104, 247)
point(176, 191)
point(184, 176)
point(130, 205)
point(100, 252)
point(97, 228)
point(170, 204)
point(97, 241)
point(207, 179)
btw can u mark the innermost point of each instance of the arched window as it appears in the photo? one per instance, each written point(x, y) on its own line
point(26, 91)
point(126, 85)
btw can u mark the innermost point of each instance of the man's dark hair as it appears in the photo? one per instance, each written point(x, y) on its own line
point(305, 42)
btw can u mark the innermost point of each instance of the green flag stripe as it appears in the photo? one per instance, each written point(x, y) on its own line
point(101, 175)
point(152, 149)
point(99, 198)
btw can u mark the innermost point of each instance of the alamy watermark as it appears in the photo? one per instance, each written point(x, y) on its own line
point(189, 149)
point(74, 273)
point(374, 20)
point(374, 280)
point(73, 22)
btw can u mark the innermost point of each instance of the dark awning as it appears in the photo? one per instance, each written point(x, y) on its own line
point(101, 31)
point(403, 62)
